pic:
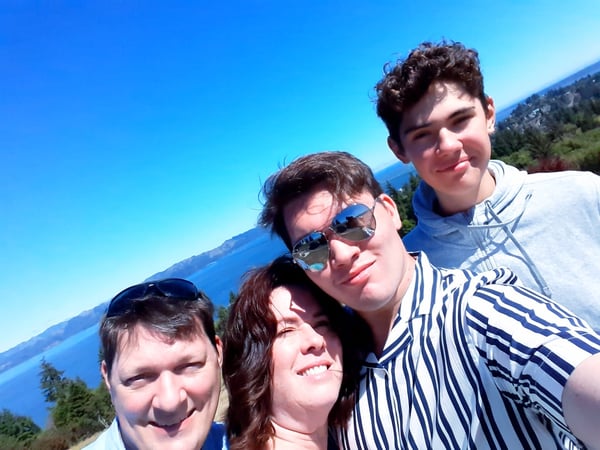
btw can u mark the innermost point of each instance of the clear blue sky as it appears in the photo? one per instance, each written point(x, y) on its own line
point(136, 134)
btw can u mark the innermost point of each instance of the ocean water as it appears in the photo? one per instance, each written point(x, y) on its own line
point(78, 356)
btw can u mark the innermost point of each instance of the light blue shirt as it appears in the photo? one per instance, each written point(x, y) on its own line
point(111, 439)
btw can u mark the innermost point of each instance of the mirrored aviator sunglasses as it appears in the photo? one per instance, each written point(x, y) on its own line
point(176, 288)
point(354, 223)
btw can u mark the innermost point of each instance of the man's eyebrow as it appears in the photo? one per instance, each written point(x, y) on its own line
point(415, 127)
point(458, 112)
point(137, 370)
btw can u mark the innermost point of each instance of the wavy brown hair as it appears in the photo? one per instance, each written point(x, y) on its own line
point(248, 339)
point(405, 83)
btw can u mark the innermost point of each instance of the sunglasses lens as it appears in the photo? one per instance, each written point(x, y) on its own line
point(354, 223)
point(174, 287)
point(121, 302)
point(311, 252)
point(170, 287)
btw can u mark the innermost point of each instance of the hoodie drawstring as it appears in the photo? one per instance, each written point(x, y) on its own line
point(534, 270)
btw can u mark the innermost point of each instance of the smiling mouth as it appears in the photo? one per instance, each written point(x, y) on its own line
point(453, 166)
point(169, 427)
point(316, 370)
point(356, 273)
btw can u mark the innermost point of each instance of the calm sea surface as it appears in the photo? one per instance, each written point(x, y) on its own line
point(20, 386)
point(78, 356)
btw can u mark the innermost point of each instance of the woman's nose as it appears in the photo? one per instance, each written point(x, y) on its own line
point(312, 339)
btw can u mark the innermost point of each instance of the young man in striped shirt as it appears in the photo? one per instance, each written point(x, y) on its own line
point(460, 360)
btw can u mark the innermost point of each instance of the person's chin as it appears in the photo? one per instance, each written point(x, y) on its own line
point(182, 440)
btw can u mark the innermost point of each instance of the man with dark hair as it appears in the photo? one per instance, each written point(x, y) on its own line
point(478, 214)
point(459, 360)
point(161, 365)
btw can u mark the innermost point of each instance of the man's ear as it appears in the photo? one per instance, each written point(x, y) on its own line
point(395, 148)
point(490, 114)
point(104, 372)
point(390, 206)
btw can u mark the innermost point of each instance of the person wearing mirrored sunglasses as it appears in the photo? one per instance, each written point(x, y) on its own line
point(161, 365)
point(459, 359)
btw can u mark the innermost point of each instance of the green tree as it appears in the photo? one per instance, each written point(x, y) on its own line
point(11, 443)
point(223, 314)
point(78, 411)
point(52, 381)
point(537, 143)
point(73, 405)
point(101, 406)
point(403, 199)
point(16, 431)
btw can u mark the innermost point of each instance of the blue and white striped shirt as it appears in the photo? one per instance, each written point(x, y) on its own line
point(472, 361)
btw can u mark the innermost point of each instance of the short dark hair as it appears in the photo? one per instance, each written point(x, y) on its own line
point(171, 318)
point(340, 173)
point(405, 83)
point(247, 342)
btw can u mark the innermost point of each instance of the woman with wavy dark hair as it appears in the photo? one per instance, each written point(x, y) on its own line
point(291, 362)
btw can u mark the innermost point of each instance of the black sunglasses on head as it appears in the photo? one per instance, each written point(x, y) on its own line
point(354, 223)
point(176, 288)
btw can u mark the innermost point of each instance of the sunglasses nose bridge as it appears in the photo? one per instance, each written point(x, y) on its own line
point(154, 289)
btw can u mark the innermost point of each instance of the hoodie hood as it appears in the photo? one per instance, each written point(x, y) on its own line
point(508, 202)
point(543, 226)
point(498, 214)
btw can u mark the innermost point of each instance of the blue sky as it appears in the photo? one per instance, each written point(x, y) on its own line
point(136, 134)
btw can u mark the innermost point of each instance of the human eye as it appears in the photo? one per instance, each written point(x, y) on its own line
point(323, 324)
point(420, 139)
point(419, 135)
point(461, 120)
point(191, 367)
point(285, 331)
point(139, 380)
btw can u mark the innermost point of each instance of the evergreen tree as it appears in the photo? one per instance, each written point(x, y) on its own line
point(52, 381)
point(16, 431)
point(102, 409)
point(78, 411)
point(83, 411)
point(403, 199)
point(223, 314)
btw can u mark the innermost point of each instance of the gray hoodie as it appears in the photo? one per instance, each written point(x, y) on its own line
point(545, 227)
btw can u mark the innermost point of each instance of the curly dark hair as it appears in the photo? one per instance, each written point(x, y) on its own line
point(340, 173)
point(247, 342)
point(405, 83)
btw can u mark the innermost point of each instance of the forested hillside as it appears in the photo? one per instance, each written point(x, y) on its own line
point(556, 131)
